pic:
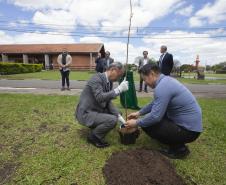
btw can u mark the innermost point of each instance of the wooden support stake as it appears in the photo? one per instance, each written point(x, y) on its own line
point(127, 52)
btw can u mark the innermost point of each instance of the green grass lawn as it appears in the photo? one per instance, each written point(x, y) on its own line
point(49, 75)
point(206, 74)
point(85, 75)
point(41, 143)
point(206, 81)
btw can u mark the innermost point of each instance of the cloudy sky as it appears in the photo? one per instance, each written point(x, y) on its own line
point(187, 27)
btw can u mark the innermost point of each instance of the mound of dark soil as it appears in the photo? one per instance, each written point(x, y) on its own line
point(140, 167)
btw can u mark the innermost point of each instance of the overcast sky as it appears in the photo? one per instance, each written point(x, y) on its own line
point(187, 27)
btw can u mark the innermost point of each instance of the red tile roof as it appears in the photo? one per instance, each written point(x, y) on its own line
point(50, 48)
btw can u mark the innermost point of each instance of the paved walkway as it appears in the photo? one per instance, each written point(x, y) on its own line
point(53, 87)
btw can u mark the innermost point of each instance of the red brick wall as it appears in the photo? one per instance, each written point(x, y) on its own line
point(79, 62)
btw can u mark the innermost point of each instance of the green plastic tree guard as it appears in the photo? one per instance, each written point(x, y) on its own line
point(130, 95)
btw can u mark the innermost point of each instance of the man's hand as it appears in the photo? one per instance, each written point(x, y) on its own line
point(124, 86)
point(134, 115)
point(131, 123)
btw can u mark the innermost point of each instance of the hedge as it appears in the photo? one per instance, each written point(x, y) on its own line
point(16, 68)
point(220, 71)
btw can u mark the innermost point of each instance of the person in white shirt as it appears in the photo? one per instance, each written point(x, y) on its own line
point(144, 60)
point(64, 61)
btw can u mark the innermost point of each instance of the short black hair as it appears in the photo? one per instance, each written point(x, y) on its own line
point(147, 68)
point(145, 52)
point(117, 65)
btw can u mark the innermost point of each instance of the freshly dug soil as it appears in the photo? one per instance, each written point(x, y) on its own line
point(140, 167)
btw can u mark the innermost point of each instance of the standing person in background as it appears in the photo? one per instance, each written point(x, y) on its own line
point(64, 61)
point(142, 61)
point(99, 64)
point(165, 61)
point(107, 61)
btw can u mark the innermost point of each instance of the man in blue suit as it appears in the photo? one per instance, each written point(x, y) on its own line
point(165, 61)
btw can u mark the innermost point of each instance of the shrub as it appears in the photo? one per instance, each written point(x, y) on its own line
point(7, 68)
point(220, 71)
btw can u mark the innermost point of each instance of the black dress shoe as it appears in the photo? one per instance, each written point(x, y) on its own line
point(178, 153)
point(96, 142)
point(105, 142)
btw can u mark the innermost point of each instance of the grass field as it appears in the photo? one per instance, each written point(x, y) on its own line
point(41, 143)
point(206, 74)
point(206, 81)
point(85, 75)
point(49, 75)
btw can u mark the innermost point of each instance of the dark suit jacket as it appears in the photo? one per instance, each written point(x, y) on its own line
point(100, 65)
point(166, 65)
point(95, 98)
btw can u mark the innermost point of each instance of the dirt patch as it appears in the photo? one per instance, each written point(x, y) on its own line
point(24, 130)
point(65, 128)
point(1, 146)
point(43, 127)
point(60, 143)
point(7, 171)
point(51, 181)
point(36, 111)
point(140, 167)
point(6, 126)
point(16, 150)
point(83, 133)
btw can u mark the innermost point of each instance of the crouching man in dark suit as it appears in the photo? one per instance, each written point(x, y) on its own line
point(95, 109)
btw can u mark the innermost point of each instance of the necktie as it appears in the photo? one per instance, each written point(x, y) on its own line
point(108, 86)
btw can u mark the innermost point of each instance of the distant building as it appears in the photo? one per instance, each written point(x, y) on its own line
point(83, 55)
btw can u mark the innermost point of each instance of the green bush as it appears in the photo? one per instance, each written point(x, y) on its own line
point(220, 71)
point(7, 68)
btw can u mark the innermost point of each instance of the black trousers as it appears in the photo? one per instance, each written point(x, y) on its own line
point(141, 85)
point(171, 134)
point(65, 77)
